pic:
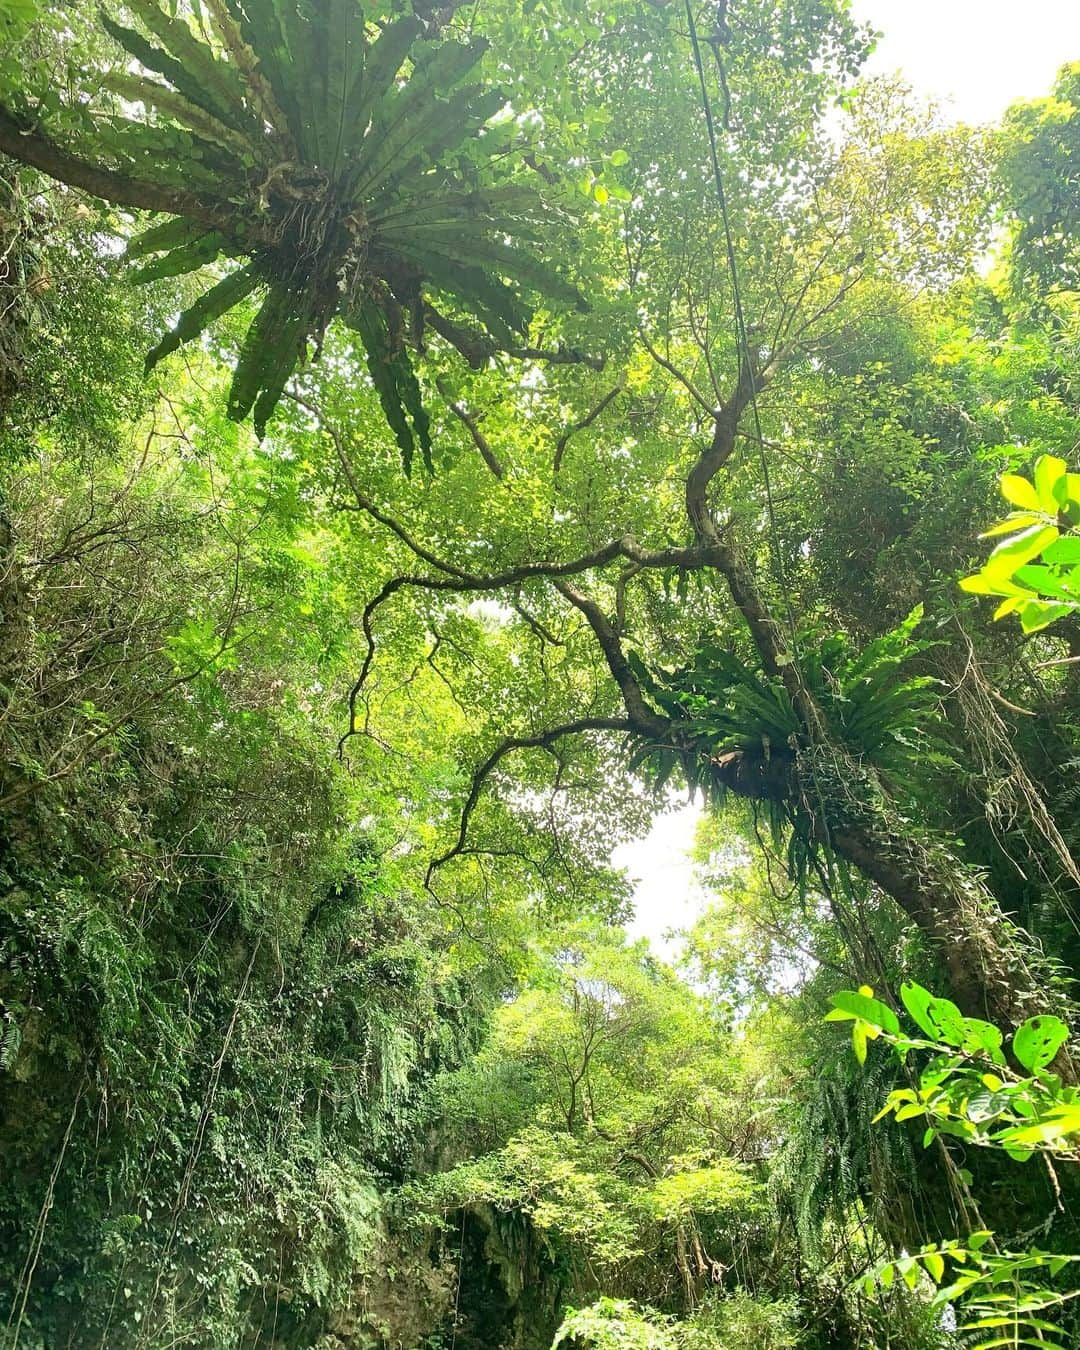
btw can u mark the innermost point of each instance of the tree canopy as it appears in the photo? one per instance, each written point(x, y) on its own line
point(436, 440)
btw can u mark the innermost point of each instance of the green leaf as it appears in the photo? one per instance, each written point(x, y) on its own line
point(982, 1038)
point(186, 258)
point(1036, 615)
point(1015, 521)
point(1049, 470)
point(935, 1265)
point(1049, 583)
point(872, 1010)
point(1021, 548)
point(1066, 549)
point(210, 306)
point(164, 237)
point(939, 1018)
point(1038, 1040)
point(979, 583)
point(1020, 492)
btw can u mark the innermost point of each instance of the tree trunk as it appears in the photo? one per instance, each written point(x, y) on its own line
point(995, 970)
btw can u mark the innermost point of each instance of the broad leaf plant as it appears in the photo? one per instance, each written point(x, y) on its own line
point(342, 160)
point(1035, 569)
point(968, 1088)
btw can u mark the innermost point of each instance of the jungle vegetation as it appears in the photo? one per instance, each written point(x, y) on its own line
point(436, 439)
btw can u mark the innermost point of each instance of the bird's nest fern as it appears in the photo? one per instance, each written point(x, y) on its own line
point(734, 729)
point(339, 160)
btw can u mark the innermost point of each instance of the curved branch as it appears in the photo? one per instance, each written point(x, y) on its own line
point(676, 374)
point(586, 421)
point(458, 582)
point(541, 741)
point(719, 450)
point(363, 502)
point(644, 719)
point(471, 422)
point(38, 151)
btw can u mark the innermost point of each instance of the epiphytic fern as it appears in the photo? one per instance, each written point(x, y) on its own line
point(734, 725)
point(323, 148)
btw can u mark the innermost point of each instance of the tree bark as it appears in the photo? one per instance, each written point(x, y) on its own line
point(995, 970)
point(38, 151)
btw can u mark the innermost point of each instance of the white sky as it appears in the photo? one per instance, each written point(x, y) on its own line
point(979, 56)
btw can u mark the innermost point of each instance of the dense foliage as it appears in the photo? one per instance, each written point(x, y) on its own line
point(320, 1020)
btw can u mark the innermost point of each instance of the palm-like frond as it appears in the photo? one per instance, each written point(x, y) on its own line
point(721, 708)
point(325, 144)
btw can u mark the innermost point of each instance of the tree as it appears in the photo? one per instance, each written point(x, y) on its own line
point(1041, 169)
point(287, 138)
point(808, 274)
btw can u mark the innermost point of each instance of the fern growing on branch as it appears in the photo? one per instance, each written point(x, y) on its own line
point(322, 150)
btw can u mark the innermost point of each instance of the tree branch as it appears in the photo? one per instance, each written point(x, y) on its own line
point(38, 151)
point(586, 421)
point(643, 718)
point(471, 422)
point(541, 741)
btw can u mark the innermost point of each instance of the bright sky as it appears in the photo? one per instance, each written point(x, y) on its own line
point(980, 56)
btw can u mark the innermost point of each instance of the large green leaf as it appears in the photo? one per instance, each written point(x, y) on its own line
point(1038, 1040)
point(210, 306)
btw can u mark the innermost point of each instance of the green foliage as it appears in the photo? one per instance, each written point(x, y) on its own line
point(1002, 1304)
point(614, 1324)
point(724, 708)
point(1041, 172)
point(331, 152)
point(966, 1091)
point(267, 1077)
point(735, 1321)
point(1037, 566)
point(742, 1321)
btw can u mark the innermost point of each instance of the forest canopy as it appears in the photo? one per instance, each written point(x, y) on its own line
point(436, 441)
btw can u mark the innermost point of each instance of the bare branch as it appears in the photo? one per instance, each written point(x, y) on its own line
point(644, 719)
point(676, 374)
point(541, 741)
point(471, 422)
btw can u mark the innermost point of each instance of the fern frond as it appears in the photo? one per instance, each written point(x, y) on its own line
point(344, 56)
point(210, 83)
point(276, 373)
point(383, 59)
point(508, 261)
point(210, 306)
point(405, 117)
point(258, 91)
point(318, 145)
point(395, 383)
point(260, 350)
point(444, 126)
point(491, 300)
point(205, 125)
point(168, 235)
point(186, 258)
point(262, 33)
